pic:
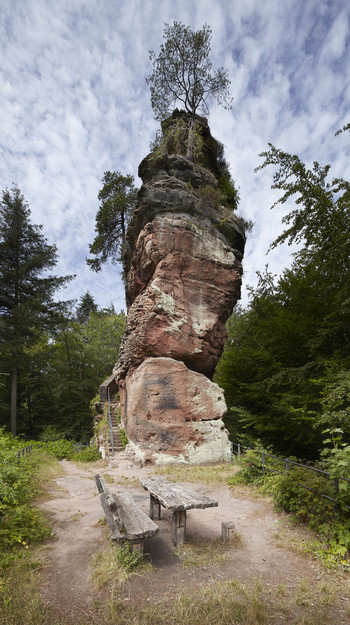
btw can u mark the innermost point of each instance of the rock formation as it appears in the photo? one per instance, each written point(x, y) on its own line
point(183, 272)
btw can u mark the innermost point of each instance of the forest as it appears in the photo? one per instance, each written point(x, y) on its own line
point(285, 366)
point(54, 354)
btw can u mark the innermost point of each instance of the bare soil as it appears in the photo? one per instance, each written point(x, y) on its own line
point(263, 550)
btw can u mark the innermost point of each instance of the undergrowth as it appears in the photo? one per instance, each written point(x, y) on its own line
point(115, 564)
point(228, 603)
point(308, 495)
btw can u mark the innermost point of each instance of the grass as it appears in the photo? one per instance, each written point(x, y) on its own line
point(233, 603)
point(19, 598)
point(114, 564)
point(95, 464)
point(20, 573)
point(194, 553)
point(207, 474)
point(109, 479)
point(295, 537)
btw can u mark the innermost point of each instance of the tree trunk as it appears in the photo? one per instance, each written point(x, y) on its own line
point(14, 403)
point(190, 140)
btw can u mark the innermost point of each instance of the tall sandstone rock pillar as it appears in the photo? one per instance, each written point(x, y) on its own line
point(183, 276)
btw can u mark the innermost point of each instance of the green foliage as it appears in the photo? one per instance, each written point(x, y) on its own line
point(50, 433)
point(64, 370)
point(285, 367)
point(27, 290)
point(63, 448)
point(336, 400)
point(123, 437)
point(86, 306)
point(182, 73)
point(209, 196)
point(229, 194)
point(127, 558)
point(307, 495)
point(117, 197)
point(60, 449)
point(88, 454)
point(20, 524)
point(336, 460)
point(173, 139)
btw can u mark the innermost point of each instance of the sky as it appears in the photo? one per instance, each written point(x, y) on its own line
point(74, 103)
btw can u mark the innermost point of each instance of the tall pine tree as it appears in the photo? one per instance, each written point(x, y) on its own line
point(26, 288)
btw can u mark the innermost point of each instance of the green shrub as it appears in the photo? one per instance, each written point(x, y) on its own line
point(20, 524)
point(61, 448)
point(307, 494)
point(229, 194)
point(50, 433)
point(210, 197)
point(88, 454)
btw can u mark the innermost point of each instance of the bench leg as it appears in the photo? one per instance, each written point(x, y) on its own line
point(154, 512)
point(138, 547)
point(179, 527)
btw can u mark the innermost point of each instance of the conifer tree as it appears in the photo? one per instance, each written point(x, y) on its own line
point(117, 196)
point(26, 288)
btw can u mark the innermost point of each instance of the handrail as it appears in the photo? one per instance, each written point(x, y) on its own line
point(287, 461)
point(110, 420)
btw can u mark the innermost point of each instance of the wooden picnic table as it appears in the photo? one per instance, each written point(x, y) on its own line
point(177, 499)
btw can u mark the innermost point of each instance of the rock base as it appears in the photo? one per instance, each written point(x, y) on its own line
point(163, 404)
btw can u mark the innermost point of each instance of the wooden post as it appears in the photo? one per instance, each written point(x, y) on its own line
point(179, 527)
point(227, 531)
point(155, 510)
point(138, 547)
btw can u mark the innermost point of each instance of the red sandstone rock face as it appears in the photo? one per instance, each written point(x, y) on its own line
point(184, 274)
point(170, 411)
point(187, 282)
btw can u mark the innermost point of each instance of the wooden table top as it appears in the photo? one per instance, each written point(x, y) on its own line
point(174, 497)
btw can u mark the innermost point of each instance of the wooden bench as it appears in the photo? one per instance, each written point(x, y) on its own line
point(175, 498)
point(125, 519)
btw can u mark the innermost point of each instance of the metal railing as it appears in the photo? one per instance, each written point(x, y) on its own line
point(26, 451)
point(110, 421)
point(287, 464)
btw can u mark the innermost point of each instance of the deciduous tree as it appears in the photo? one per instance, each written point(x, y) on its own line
point(182, 74)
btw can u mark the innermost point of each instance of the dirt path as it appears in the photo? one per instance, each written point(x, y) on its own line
point(75, 511)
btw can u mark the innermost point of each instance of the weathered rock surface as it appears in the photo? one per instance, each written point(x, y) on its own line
point(183, 264)
point(184, 282)
point(171, 412)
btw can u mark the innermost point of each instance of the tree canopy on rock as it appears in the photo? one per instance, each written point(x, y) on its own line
point(182, 73)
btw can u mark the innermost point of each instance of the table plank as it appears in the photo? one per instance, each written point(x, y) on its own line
point(175, 497)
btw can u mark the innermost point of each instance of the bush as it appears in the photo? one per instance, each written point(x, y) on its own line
point(89, 454)
point(20, 524)
point(299, 493)
point(61, 449)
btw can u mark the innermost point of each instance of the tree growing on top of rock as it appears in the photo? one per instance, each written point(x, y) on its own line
point(117, 196)
point(182, 74)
